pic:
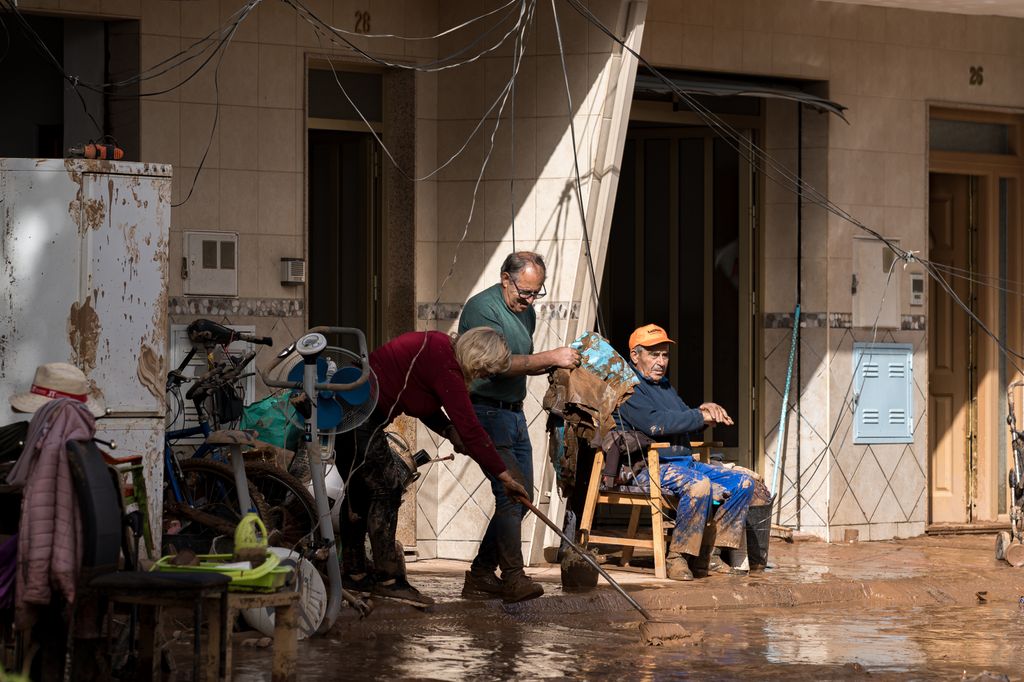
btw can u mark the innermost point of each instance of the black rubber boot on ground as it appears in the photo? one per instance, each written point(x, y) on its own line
point(482, 586)
point(520, 588)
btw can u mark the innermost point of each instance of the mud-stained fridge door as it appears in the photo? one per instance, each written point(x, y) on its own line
point(39, 265)
point(123, 315)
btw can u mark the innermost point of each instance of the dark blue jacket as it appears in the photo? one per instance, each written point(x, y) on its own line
point(656, 409)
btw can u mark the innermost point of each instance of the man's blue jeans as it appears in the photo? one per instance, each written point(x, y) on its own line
point(502, 542)
point(696, 485)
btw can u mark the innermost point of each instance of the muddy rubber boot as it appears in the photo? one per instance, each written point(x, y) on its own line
point(398, 589)
point(520, 588)
point(677, 568)
point(482, 586)
point(716, 564)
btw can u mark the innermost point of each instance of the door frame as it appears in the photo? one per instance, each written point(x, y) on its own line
point(376, 205)
point(987, 489)
point(686, 124)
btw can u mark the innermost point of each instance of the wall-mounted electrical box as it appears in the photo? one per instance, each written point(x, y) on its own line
point(293, 271)
point(210, 264)
point(883, 393)
point(916, 288)
point(875, 284)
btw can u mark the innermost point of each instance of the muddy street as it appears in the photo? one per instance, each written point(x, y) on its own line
point(889, 610)
point(780, 643)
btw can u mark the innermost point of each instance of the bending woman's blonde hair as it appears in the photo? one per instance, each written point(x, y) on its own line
point(482, 351)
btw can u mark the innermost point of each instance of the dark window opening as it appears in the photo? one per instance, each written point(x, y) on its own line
point(48, 115)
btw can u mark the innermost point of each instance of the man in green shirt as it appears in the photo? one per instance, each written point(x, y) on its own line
point(498, 401)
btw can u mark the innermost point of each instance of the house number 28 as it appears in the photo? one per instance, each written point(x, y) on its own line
point(363, 22)
point(977, 75)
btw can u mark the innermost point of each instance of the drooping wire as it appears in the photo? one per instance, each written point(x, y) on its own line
point(512, 162)
point(448, 31)
point(774, 170)
point(428, 67)
point(847, 402)
point(380, 142)
point(750, 151)
point(40, 46)
point(216, 109)
point(576, 169)
point(525, 21)
point(762, 159)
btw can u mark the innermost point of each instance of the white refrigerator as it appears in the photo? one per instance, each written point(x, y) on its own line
point(84, 267)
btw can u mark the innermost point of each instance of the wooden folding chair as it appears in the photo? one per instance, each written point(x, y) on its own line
point(661, 508)
point(662, 512)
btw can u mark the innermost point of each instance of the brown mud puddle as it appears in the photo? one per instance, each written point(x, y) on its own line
point(521, 642)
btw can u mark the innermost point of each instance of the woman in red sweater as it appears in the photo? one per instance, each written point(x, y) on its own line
point(424, 375)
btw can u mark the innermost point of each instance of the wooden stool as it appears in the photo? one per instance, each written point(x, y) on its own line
point(153, 592)
point(286, 631)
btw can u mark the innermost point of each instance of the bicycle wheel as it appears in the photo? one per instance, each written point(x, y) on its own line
point(290, 508)
point(210, 507)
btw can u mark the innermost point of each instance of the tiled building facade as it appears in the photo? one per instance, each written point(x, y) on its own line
point(887, 65)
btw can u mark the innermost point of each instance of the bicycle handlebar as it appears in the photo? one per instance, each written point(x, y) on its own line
point(352, 331)
point(223, 373)
point(208, 331)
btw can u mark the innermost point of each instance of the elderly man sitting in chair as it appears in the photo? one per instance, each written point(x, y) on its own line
point(657, 410)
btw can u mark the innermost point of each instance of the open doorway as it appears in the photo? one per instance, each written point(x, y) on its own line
point(344, 231)
point(680, 256)
point(345, 202)
point(976, 246)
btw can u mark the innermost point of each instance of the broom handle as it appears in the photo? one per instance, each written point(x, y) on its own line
point(586, 556)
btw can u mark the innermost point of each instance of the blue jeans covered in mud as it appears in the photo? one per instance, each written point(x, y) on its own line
point(697, 485)
point(502, 541)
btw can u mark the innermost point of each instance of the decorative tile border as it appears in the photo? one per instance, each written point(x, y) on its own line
point(834, 321)
point(547, 310)
point(248, 307)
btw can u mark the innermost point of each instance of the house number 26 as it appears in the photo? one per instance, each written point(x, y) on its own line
point(977, 75)
point(363, 23)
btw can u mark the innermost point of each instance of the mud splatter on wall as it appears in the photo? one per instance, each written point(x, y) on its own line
point(151, 371)
point(84, 333)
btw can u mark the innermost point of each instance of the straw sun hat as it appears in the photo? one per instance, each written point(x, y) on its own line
point(58, 380)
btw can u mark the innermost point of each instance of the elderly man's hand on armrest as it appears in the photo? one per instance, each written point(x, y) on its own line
point(715, 414)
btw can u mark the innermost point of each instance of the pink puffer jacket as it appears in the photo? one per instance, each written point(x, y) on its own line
point(50, 531)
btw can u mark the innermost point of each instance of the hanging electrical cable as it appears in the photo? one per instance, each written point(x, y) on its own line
point(774, 170)
point(428, 67)
point(380, 142)
point(576, 169)
point(216, 106)
point(449, 31)
point(517, 62)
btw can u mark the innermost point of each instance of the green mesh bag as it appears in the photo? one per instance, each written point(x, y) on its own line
point(275, 421)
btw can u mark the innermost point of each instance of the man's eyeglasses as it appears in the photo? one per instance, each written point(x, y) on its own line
point(527, 295)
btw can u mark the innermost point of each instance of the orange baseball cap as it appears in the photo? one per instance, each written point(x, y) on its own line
point(648, 335)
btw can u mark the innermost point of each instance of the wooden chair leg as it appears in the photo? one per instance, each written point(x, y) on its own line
point(657, 520)
point(634, 523)
point(593, 489)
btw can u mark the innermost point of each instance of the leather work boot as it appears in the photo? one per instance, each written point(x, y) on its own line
point(520, 588)
point(482, 586)
point(677, 568)
point(398, 589)
point(362, 586)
